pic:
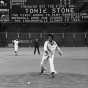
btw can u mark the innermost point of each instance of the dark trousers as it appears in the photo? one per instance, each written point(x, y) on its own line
point(36, 49)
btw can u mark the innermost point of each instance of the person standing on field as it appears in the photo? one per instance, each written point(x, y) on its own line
point(16, 42)
point(50, 47)
point(36, 46)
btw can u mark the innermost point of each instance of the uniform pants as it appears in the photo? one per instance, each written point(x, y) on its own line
point(36, 49)
point(15, 48)
point(47, 58)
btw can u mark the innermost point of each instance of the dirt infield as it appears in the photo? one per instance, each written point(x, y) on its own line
point(22, 71)
point(34, 80)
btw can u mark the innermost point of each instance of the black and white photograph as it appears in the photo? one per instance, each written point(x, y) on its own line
point(43, 43)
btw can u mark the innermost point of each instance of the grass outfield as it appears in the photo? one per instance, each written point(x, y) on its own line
point(22, 71)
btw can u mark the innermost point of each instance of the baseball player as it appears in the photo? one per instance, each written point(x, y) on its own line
point(36, 46)
point(16, 42)
point(50, 47)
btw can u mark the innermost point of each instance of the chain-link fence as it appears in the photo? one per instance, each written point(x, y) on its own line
point(26, 39)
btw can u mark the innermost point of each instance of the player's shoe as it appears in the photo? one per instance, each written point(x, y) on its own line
point(42, 70)
point(15, 53)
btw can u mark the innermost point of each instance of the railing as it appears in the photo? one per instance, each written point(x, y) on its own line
point(63, 39)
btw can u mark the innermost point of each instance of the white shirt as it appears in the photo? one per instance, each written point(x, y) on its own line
point(16, 43)
point(51, 48)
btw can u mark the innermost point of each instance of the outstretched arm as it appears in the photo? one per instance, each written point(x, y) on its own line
point(59, 51)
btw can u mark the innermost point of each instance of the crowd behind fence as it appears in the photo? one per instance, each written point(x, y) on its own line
point(63, 39)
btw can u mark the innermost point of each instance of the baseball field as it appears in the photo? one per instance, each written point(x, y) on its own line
point(22, 71)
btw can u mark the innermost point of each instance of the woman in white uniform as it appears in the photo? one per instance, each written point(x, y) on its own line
point(50, 47)
point(16, 42)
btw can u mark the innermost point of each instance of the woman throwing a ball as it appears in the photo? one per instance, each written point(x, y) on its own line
point(50, 47)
